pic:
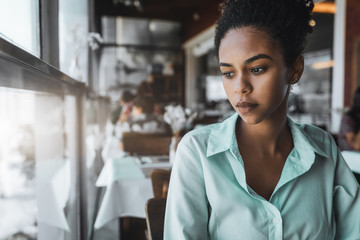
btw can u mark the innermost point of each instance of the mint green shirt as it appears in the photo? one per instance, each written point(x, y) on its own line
point(316, 198)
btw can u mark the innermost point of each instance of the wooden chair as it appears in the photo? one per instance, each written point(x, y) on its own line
point(160, 182)
point(146, 144)
point(132, 228)
point(155, 214)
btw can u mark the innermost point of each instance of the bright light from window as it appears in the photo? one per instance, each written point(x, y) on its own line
point(19, 24)
point(214, 89)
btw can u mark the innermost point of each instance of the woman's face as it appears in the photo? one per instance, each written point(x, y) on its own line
point(255, 76)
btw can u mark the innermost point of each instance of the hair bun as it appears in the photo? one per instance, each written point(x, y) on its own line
point(309, 4)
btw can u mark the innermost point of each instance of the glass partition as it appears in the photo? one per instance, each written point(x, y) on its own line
point(40, 150)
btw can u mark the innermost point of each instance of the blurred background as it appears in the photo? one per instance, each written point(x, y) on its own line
point(64, 66)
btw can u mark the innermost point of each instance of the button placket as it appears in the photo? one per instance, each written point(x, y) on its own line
point(235, 152)
point(275, 221)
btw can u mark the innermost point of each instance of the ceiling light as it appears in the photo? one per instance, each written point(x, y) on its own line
point(322, 65)
point(325, 7)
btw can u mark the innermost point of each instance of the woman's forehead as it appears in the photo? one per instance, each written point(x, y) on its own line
point(248, 41)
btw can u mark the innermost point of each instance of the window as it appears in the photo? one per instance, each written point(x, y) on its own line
point(19, 24)
point(73, 38)
point(39, 151)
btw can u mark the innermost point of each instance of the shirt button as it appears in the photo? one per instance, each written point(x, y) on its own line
point(275, 221)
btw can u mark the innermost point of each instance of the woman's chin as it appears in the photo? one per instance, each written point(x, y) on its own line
point(250, 119)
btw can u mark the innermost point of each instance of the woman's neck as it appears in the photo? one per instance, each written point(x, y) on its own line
point(270, 136)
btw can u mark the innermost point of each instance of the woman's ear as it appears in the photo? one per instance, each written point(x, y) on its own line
point(297, 70)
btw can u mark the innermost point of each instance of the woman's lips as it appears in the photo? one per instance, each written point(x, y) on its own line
point(246, 107)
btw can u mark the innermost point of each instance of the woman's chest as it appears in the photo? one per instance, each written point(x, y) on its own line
point(300, 209)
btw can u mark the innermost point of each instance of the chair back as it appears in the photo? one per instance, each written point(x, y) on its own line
point(155, 214)
point(146, 144)
point(160, 179)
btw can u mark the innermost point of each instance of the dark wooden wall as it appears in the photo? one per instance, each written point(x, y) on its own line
point(208, 16)
point(352, 35)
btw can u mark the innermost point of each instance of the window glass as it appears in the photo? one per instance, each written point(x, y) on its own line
point(19, 24)
point(97, 129)
point(38, 149)
point(73, 38)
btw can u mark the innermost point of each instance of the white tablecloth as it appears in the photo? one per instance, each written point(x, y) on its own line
point(127, 189)
point(352, 158)
point(53, 189)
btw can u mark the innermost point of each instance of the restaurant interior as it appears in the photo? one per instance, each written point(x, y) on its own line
point(64, 67)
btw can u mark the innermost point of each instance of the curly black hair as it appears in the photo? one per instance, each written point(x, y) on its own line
point(287, 21)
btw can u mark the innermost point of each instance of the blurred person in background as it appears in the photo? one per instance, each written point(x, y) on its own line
point(143, 119)
point(126, 102)
point(146, 87)
point(122, 112)
point(349, 134)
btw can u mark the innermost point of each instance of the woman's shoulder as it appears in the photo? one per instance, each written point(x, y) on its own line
point(215, 132)
point(201, 130)
point(320, 140)
point(200, 133)
point(311, 129)
point(314, 134)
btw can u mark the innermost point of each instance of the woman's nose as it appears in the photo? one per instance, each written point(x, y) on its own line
point(242, 85)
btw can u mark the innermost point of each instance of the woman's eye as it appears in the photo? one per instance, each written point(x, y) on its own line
point(257, 70)
point(228, 75)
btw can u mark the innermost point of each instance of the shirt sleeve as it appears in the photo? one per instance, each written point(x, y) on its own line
point(186, 214)
point(346, 200)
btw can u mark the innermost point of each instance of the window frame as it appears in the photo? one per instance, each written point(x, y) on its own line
point(22, 70)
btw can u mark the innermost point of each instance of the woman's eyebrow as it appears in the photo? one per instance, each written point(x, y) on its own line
point(247, 61)
point(221, 64)
point(256, 57)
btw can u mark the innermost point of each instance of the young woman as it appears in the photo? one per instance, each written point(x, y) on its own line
point(349, 134)
point(258, 175)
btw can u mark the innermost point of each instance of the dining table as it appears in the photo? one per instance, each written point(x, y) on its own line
point(53, 190)
point(128, 186)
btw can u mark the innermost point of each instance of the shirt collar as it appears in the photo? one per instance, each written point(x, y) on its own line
point(302, 140)
point(222, 138)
